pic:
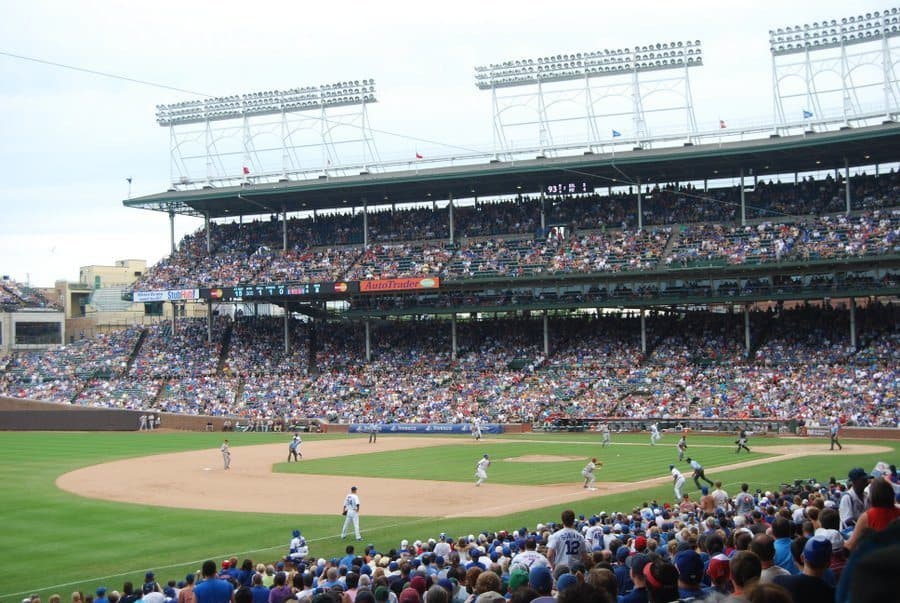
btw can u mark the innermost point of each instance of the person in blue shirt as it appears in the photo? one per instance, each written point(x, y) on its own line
point(781, 531)
point(348, 559)
point(212, 589)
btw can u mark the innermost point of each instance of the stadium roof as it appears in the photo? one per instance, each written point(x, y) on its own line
point(810, 152)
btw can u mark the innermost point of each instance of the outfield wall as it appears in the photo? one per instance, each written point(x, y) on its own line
point(34, 415)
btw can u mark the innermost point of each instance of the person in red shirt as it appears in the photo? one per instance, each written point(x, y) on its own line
point(882, 512)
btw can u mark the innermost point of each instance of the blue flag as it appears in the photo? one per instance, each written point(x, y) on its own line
point(616, 133)
point(807, 114)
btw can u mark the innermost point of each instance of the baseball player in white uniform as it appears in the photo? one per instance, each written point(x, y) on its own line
point(476, 429)
point(481, 469)
point(588, 474)
point(678, 481)
point(294, 447)
point(299, 549)
point(226, 454)
point(654, 434)
point(351, 513)
point(604, 430)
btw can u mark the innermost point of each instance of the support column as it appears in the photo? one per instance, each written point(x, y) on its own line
point(743, 201)
point(543, 211)
point(209, 321)
point(853, 322)
point(208, 233)
point(546, 335)
point(847, 183)
point(284, 246)
point(287, 335)
point(172, 230)
point(450, 213)
point(365, 224)
point(747, 330)
point(643, 331)
point(453, 336)
point(368, 342)
point(174, 317)
point(640, 210)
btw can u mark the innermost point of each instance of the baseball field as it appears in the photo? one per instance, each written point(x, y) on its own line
point(81, 510)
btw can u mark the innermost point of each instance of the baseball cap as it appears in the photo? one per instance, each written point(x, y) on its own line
point(447, 585)
point(101, 591)
point(149, 587)
point(671, 466)
point(857, 473)
point(833, 536)
point(637, 562)
point(817, 551)
point(539, 579)
point(690, 566)
point(518, 577)
point(565, 581)
point(149, 576)
point(353, 488)
point(640, 543)
point(418, 583)
point(296, 533)
point(718, 567)
point(622, 553)
point(382, 593)
point(409, 595)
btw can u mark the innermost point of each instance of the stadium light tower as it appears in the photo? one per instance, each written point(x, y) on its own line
point(848, 61)
point(631, 73)
point(241, 119)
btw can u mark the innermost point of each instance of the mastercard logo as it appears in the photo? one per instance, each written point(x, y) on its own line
point(216, 293)
point(340, 287)
point(428, 283)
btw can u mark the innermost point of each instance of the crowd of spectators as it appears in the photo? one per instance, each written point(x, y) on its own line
point(802, 367)
point(834, 541)
point(586, 234)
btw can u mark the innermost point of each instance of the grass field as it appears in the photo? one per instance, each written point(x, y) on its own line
point(56, 541)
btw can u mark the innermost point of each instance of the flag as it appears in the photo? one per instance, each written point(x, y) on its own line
point(418, 156)
point(246, 170)
point(616, 133)
point(722, 124)
point(807, 114)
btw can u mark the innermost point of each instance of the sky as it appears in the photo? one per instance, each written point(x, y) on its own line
point(69, 140)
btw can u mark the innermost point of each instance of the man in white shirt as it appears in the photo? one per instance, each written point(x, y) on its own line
point(567, 546)
point(721, 497)
point(588, 474)
point(529, 557)
point(654, 434)
point(855, 501)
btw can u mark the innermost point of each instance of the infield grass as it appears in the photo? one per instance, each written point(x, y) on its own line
point(58, 542)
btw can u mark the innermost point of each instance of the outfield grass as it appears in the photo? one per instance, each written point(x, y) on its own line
point(56, 541)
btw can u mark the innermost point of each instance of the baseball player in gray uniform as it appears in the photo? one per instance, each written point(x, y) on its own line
point(226, 454)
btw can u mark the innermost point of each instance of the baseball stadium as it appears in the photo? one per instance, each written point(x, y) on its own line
point(454, 352)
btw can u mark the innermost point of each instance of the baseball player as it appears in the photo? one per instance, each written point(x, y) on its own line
point(835, 431)
point(294, 447)
point(373, 433)
point(588, 474)
point(481, 469)
point(351, 513)
point(226, 454)
point(698, 472)
point(654, 434)
point(604, 430)
point(678, 481)
point(742, 442)
point(142, 422)
point(682, 446)
point(299, 549)
point(476, 429)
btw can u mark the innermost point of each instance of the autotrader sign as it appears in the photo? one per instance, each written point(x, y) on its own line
point(400, 284)
point(422, 427)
